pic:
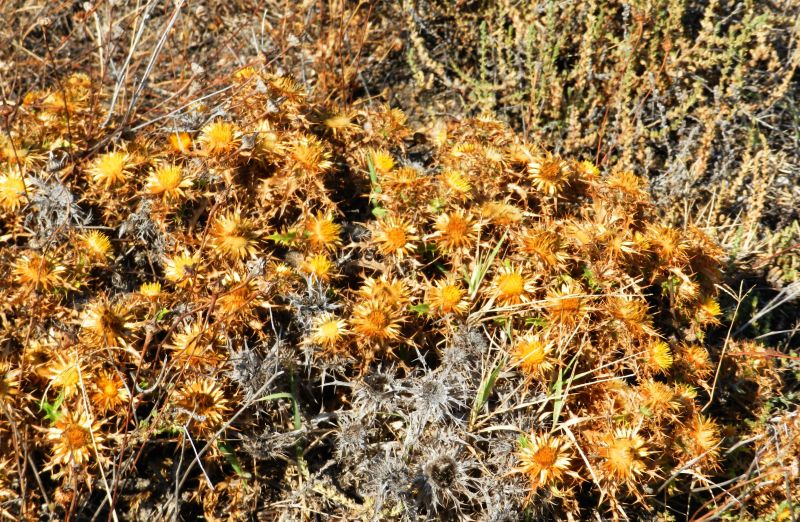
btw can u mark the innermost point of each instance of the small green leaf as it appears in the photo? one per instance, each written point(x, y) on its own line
point(421, 309)
point(161, 314)
point(52, 411)
point(287, 238)
point(233, 460)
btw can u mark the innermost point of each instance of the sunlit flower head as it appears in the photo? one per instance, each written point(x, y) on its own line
point(395, 236)
point(446, 296)
point(168, 181)
point(545, 459)
point(111, 169)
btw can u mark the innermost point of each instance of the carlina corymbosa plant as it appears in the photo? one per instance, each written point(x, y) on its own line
point(266, 304)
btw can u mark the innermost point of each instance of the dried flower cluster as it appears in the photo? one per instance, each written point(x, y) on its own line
point(269, 304)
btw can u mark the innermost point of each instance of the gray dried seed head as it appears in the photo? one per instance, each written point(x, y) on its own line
point(351, 437)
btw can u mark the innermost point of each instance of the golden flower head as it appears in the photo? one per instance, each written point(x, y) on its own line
point(381, 160)
point(219, 138)
point(532, 355)
point(12, 191)
point(234, 237)
point(322, 232)
point(549, 174)
point(180, 142)
point(64, 372)
point(457, 183)
point(701, 439)
point(168, 181)
point(182, 268)
point(328, 330)
point(108, 391)
point(511, 286)
point(96, 245)
point(545, 247)
point(392, 291)
point(196, 346)
point(545, 459)
point(376, 321)
point(204, 404)
point(111, 168)
point(310, 155)
point(239, 296)
point(318, 266)
point(395, 236)
point(446, 296)
point(455, 231)
point(39, 272)
point(566, 304)
point(74, 438)
point(106, 324)
point(150, 290)
point(658, 356)
point(622, 453)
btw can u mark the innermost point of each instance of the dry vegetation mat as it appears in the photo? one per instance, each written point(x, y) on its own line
point(241, 279)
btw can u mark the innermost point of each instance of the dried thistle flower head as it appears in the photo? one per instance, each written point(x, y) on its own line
point(168, 180)
point(108, 391)
point(511, 286)
point(180, 142)
point(395, 236)
point(658, 356)
point(96, 245)
point(329, 331)
point(381, 160)
point(9, 382)
point(394, 292)
point(182, 269)
point(532, 355)
point(310, 155)
point(446, 296)
point(106, 324)
point(566, 304)
point(150, 290)
point(544, 458)
point(111, 169)
point(12, 191)
point(219, 138)
point(323, 233)
point(75, 438)
point(234, 237)
point(65, 372)
point(196, 346)
point(455, 231)
point(545, 246)
point(700, 439)
point(457, 183)
point(318, 266)
point(549, 174)
point(623, 453)
point(38, 272)
point(376, 321)
point(203, 403)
